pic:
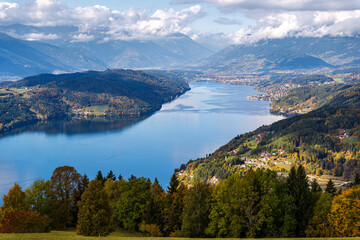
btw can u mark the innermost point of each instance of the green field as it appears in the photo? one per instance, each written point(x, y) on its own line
point(98, 109)
point(339, 80)
point(64, 235)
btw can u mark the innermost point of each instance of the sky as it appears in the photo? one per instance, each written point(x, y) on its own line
point(217, 22)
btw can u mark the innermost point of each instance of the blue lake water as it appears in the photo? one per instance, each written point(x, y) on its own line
point(191, 126)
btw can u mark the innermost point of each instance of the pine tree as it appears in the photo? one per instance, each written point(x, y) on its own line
point(356, 180)
point(100, 177)
point(95, 213)
point(315, 187)
point(111, 176)
point(174, 184)
point(330, 188)
point(173, 208)
point(299, 189)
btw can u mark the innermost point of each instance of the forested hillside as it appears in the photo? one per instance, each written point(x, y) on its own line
point(110, 94)
point(307, 98)
point(325, 141)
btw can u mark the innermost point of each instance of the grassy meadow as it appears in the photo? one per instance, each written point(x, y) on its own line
point(69, 235)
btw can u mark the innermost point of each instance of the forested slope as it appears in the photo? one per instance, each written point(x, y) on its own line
point(110, 94)
point(325, 141)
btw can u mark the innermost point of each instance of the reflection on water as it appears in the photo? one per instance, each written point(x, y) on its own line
point(195, 124)
point(78, 126)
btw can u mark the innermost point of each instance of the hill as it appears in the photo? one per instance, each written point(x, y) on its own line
point(325, 141)
point(284, 54)
point(110, 94)
point(307, 98)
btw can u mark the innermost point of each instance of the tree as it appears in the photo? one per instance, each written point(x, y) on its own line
point(356, 180)
point(344, 217)
point(299, 189)
point(64, 183)
point(130, 208)
point(95, 213)
point(315, 187)
point(38, 196)
point(248, 206)
point(195, 217)
point(319, 224)
point(330, 188)
point(153, 222)
point(14, 200)
point(100, 177)
point(174, 184)
point(16, 214)
point(173, 207)
point(111, 175)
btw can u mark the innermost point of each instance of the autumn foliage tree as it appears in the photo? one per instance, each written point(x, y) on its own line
point(344, 217)
point(16, 216)
point(64, 183)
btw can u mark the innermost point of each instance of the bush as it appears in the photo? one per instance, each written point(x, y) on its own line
point(23, 221)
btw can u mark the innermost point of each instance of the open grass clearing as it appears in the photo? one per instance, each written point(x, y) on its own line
point(98, 109)
point(71, 235)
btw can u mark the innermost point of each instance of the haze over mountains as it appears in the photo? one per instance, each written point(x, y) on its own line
point(22, 58)
point(64, 54)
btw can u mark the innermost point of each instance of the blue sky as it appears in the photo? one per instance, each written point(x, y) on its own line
point(213, 22)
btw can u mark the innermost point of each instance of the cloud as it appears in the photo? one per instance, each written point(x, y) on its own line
point(299, 24)
point(82, 38)
point(110, 24)
point(39, 36)
point(227, 21)
point(288, 5)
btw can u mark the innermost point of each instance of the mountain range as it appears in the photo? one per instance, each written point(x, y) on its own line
point(285, 54)
point(59, 52)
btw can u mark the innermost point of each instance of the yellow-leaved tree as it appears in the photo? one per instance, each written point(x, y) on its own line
point(344, 217)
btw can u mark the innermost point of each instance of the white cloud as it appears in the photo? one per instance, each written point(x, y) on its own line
point(82, 38)
point(39, 36)
point(290, 5)
point(306, 24)
point(100, 19)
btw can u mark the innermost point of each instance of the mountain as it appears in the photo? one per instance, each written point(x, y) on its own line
point(110, 94)
point(170, 51)
point(21, 58)
point(325, 141)
point(161, 52)
point(284, 54)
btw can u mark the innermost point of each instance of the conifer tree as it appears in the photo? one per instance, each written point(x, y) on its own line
point(330, 188)
point(111, 176)
point(299, 189)
point(100, 177)
point(315, 187)
point(195, 217)
point(95, 213)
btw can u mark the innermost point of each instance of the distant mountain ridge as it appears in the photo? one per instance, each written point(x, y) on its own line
point(285, 54)
point(60, 52)
point(22, 58)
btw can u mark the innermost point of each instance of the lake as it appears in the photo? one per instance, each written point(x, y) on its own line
point(191, 126)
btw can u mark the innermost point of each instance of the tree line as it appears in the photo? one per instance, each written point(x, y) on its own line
point(257, 204)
